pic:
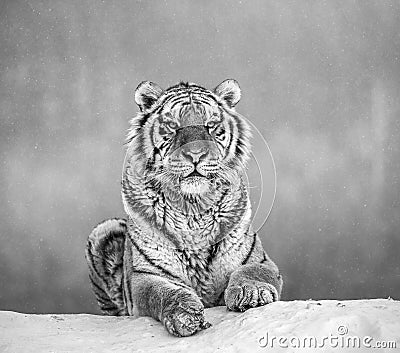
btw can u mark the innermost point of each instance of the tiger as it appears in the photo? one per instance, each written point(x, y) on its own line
point(187, 242)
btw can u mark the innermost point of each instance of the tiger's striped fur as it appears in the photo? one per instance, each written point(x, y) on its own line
point(187, 241)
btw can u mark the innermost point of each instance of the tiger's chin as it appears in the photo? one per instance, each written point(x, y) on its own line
point(195, 186)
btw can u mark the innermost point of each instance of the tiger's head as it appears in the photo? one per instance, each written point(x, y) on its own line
point(189, 140)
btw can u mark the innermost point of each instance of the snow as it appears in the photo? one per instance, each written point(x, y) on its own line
point(374, 321)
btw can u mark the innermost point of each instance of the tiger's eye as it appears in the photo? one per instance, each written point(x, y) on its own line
point(172, 125)
point(215, 120)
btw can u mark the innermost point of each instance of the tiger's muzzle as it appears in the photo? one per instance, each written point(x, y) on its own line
point(194, 158)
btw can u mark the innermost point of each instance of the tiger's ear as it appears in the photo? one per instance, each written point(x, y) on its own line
point(146, 94)
point(229, 91)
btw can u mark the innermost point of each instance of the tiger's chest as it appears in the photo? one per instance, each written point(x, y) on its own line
point(200, 229)
point(208, 273)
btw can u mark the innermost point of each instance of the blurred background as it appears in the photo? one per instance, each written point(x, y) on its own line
point(320, 80)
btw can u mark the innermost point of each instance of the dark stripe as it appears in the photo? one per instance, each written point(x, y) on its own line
point(204, 95)
point(231, 136)
point(179, 102)
point(164, 147)
point(150, 134)
point(123, 292)
point(106, 308)
point(121, 312)
point(104, 296)
point(145, 272)
point(168, 99)
point(243, 297)
point(143, 120)
point(174, 90)
point(239, 142)
point(182, 104)
point(93, 267)
point(174, 98)
point(220, 297)
point(274, 297)
point(211, 255)
point(101, 301)
point(202, 101)
point(171, 100)
point(173, 95)
point(115, 271)
point(264, 259)
point(251, 249)
point(163, 270)
point(201, 90)
point(128, 294)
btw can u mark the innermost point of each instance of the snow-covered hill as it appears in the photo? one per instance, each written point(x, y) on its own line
point(281, 326)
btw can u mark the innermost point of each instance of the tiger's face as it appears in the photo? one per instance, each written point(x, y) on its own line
point(191, 140)
point(192, 137)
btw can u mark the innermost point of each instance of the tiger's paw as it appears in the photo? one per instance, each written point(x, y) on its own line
point(185, 317)
point(249, 294)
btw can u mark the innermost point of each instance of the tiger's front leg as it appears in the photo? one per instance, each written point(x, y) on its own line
point(253, 285)
point(177, 307)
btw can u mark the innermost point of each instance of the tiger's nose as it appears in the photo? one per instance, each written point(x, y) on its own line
point(195, 155)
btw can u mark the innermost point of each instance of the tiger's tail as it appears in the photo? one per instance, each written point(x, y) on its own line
point(104, 255)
